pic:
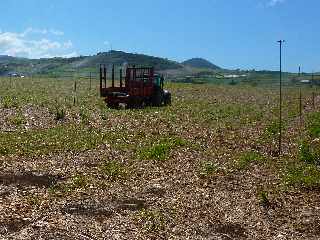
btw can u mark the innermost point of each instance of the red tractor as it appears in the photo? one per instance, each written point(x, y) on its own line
point(141, 87)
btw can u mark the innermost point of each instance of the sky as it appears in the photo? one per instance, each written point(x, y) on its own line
point(230, 33)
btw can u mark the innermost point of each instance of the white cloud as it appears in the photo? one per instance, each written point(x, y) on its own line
point(273, 3)
point(44, 31)
point(23, 45)
point(69, 55)
point(56, 32)
point(68, 44)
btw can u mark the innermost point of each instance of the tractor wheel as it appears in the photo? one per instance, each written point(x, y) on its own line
point(167, 98)
point(143, 104)
point(112, 105)
point(157, 99)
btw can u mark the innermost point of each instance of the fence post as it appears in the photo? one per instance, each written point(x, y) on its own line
point(300, 107)
point(113, 76)
point(75, 92)
point(90, 82)
point(313, 101)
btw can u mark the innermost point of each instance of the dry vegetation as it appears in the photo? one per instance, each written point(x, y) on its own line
point(204, 168)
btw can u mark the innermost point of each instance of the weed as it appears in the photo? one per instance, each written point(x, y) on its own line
point(158, 151)
point(308, 153)
point(79, 181)
point(161, 150)
point(9, 102)
point(17, 119)
point(60, 138)
point(60, 114)
point(249, 157)
point(208, 168)
point(153, 220)
point(104, 115)
point(313, 124)
point(272, 130)
point(263, 197)
point(33, 200)
point(113, 169)
point(302, 175)
point(84, 115)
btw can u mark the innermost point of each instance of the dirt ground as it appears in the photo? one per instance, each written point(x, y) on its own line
point(157, 173)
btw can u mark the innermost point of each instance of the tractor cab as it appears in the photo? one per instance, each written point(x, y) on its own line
point(140, 87)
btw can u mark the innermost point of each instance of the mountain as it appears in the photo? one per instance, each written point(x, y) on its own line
point(7, 59)
point(57, 65)
point(200, 63)
point(119, 58)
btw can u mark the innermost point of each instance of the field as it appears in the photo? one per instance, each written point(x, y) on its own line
point(206, 167)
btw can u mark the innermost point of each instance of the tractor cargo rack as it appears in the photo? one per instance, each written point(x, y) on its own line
point(140, 87)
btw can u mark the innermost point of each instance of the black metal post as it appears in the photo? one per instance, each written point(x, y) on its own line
point(121, 78)
point(313, 101)
point(105, 75)
point(280, 100)
point(113, 76)
point(300, 108)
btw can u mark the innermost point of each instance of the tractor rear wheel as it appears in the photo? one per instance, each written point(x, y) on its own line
point(167, 98)
point(157, 98)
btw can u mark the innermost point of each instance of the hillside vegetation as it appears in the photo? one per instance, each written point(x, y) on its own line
point(51, 66)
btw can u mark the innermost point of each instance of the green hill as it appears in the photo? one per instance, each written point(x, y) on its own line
point(58, 66)
point(119, 58)
point(200, 63)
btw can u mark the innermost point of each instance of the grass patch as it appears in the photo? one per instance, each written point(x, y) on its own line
point(60, 114)
point(58, 139)
point(153, 220)
point(272, 129)
point(313, 124)
point(248, 158)
point(263, 197)
point(9, 102)
point(79, 181)
point(84, 115)
point(208, 168)
point(161, 149)
point(309, 153)
point(17, 119)
point(113, 169)
point(302, 175)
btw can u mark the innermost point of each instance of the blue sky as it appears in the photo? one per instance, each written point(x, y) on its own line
point(230, 33)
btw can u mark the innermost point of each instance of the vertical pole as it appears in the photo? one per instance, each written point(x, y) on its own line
point(90, 82)
point(113, 76)
point(300, 108)
point(100, 80)
point(280, 101)
point(313, 101)
point(105, 75)
point(75, 90)
point(121, 78)
point(300, 99)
